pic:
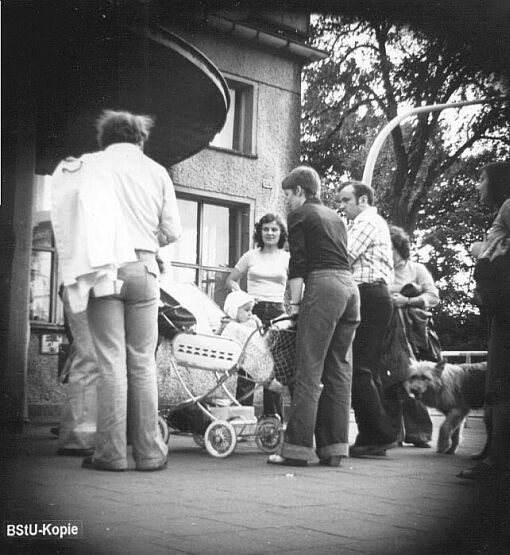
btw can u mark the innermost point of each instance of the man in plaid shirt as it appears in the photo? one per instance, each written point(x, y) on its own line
point(371, 260)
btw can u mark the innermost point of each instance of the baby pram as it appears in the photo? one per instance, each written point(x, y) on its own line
point(214, 418)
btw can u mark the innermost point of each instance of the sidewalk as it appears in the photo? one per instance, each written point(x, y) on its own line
point(409, 502)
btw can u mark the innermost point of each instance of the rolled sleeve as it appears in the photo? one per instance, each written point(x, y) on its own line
point(170, 228)
point(430, 293)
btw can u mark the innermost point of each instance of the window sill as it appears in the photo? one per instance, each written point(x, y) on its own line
point(234, 152)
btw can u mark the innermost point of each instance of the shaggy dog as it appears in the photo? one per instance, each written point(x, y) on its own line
point(453, 389)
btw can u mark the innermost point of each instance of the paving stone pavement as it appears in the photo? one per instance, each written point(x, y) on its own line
point(409, 502)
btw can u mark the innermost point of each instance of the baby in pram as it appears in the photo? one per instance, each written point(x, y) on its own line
point(240, 324)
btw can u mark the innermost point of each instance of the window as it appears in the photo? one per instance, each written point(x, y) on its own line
point(214, 237)
point(215, 234)
point(238, 132)
point(45, 304)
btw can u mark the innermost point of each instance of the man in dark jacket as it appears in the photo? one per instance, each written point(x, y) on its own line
point(327, 316)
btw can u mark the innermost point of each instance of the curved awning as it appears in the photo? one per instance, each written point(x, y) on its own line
point(80, 71)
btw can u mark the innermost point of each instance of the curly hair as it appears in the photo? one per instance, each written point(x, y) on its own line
point(498, 188)
point(122, 127)
point(267, 219)
point(400, 241)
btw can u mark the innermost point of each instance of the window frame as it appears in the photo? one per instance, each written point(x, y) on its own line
point(240, 231)
point(54, 297)
point(55, 304)
point(245, 117)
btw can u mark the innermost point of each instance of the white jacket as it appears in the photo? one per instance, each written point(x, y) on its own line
point(90, 231)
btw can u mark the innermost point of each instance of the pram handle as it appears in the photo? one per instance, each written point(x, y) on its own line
point(279, 319)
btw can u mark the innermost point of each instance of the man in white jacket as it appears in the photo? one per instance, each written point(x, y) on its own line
point(123, 319)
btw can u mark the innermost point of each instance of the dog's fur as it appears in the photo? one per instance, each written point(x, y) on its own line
point(453, 389)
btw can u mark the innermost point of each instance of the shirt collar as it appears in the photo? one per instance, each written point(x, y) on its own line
point(366, 214)
point(123, 147)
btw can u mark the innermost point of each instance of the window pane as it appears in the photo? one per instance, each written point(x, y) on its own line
point(185, 249)
point(212, 282)
point(215, 235)
point(40, 286)
point(42, 235)
point(225, 138)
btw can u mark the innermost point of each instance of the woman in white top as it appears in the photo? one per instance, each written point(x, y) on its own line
point(266, 269)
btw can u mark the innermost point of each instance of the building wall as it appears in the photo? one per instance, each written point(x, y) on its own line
point(253, 179)
point(278, 108)
point(44, 392)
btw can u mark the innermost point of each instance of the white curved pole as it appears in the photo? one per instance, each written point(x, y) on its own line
point(388, 128)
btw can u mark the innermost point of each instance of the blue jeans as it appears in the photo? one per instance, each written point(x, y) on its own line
point(125, 333)
point(327, 321)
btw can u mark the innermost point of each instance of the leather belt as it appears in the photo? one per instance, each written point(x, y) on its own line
point(372, 284)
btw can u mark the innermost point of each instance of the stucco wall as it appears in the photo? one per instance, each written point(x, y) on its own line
point(278, 108)
point(44, 392)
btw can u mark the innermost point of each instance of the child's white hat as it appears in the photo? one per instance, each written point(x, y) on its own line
point(234, 301)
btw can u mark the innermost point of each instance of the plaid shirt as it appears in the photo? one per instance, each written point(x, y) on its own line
point(369, 248)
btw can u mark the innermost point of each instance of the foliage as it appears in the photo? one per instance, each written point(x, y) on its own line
point(426, 171)
point(374, 71)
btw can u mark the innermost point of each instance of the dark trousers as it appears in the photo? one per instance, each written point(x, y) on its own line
point(272, 401)
point(417, 422)
point(376, 426)
point(498, 389)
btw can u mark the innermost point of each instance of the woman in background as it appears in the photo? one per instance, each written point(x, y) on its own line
point(266, 269)
point(494, 189)
point(416, 419)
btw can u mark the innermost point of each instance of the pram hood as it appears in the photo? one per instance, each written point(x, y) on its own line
point(193, 304)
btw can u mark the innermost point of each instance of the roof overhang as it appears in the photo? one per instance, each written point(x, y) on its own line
point(279, 43)
point(143, 70)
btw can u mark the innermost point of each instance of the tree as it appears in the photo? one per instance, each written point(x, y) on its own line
point(426, 172)
point(375, 69)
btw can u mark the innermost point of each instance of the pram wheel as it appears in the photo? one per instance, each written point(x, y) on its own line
point(163, 428)
point(199, 440)
point(269, 434)
point(220, 439)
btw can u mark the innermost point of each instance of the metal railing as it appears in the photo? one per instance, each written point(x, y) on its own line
point(467, 355)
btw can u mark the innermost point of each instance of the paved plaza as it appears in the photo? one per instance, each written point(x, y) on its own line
point(409, 502)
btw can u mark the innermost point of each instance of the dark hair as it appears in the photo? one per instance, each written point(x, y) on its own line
point(360, 189)
point(267, 219)
point(306, 178)
point(122, 127)
point(498, 187)
point(400, 241)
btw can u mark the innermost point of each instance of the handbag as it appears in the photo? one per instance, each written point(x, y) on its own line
point(429, 346)
point(433, 350)
point(492, 277)
point(397, 352)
